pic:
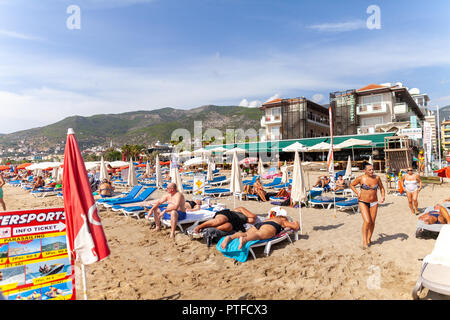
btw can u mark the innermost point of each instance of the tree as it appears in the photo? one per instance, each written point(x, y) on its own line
point(112, 154)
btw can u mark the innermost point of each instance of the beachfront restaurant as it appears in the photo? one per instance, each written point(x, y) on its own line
point(271, 151)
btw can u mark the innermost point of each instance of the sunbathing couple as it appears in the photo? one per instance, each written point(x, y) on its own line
point(234, 221)
point(257, 188)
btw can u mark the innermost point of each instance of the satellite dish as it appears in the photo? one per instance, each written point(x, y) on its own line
point(414, 91)
point(399, 84)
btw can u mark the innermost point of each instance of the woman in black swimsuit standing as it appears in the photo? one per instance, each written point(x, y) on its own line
point(368, 200)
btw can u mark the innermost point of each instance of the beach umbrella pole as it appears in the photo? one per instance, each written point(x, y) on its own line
point(83, 277)
point(300, 218)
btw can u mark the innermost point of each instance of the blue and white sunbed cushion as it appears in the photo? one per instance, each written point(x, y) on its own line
point(325, 199)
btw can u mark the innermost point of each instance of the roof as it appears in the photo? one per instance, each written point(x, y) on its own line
point(371, 86)
point(272, 101)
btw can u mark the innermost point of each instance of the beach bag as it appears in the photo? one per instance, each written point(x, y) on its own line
point(213, 235)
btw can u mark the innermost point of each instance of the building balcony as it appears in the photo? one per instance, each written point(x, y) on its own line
point(272, 137)
point(366, 130)
point(377, 108)
point(400, 108)
point(269, 120)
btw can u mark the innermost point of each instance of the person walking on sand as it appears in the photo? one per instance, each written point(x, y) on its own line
point(368, 200)
point(412, 185)
point(2, 183)
point(175, 210)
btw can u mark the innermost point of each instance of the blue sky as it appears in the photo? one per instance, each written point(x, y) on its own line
point(146, 54)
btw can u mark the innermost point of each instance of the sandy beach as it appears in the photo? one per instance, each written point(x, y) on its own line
point(327, 262)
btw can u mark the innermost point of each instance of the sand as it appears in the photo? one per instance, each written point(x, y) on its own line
point(327, 262)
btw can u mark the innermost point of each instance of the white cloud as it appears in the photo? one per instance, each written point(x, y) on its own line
point(275, 96)
point(317, 98)
point(17, 35)
point(243, 103)
point(37, 91)
point(255, 104)
point(339, 26)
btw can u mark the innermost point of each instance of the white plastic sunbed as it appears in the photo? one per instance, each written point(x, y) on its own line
point(435, 271)
point(191, 217)
point(421, 226)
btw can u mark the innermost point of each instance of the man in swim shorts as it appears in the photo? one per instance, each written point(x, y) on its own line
point(175, 210)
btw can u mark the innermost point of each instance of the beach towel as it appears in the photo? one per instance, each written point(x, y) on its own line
point(231, 250)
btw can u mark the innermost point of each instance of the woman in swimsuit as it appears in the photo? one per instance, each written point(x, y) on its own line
point(227, 220)
point(368, 200)
point(438, 216)
point(412, 185)
point(193, 205)
point(421, 162)
point(262, 230)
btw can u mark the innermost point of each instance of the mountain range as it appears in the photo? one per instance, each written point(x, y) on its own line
point(138, 127)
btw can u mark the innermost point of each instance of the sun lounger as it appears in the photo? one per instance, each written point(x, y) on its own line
point(143, 196)
point(130, 195)
point(435, 271)
point(276, 181)
point(191, 217)
point(217, 192)
point(422, 226)
point(325, 201)
point(348, 204)
point(282, 185)
point(218, 181)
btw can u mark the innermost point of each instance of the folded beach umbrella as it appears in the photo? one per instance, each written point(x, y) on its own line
point(236, 185)
point(131, 179)
point(176, 178)
point(159, 181)
point(298, 191)
point(147, 168)
point(260, 167)
point(348, 170)
point(284, 174)
point(55, 173)
point(370, 160)
point(103, 170)
point(87, 241)
point(209, 175)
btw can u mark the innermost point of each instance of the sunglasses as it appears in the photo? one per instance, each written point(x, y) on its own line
point(409, 170)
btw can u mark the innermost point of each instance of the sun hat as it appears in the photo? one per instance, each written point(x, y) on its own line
point(276, 212)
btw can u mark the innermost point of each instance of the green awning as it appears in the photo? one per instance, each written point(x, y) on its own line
point(376, 138)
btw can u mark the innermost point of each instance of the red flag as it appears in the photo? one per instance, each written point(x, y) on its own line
point(84, 229)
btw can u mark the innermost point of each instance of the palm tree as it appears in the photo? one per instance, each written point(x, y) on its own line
point(126, 151)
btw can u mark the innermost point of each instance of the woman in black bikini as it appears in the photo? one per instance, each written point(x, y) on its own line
point(227, 220)
point(368, 200)
point(262, 230)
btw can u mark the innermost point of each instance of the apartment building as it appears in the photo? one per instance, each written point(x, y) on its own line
point(445, 135)
point(294, 118)
point(376, 108)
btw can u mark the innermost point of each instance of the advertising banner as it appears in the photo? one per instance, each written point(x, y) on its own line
point(199, 185)
point(34, 259)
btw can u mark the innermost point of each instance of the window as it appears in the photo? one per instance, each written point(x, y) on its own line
point(365, 122)
point(374, 99)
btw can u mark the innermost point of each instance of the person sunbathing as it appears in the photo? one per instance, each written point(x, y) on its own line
point(257, 188)
point(322, 181)
point(340, 183)
point(439, 215)
point(229, 220)
point(39, 183)
point(193, 205)
point(262, 230)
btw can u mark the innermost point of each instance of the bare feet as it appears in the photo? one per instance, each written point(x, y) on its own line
point(242, 242)
point(225, 241)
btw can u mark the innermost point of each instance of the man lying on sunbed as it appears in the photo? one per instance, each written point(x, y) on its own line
point(228, 220)
point(263, 230)
point(437, 216)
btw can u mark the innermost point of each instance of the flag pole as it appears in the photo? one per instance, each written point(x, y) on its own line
point(83, 276)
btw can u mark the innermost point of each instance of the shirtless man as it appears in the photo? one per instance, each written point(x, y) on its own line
point(368, 200)
point(176, 208)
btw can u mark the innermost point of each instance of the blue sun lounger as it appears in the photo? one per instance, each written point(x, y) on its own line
point(130, 195)
point(325, 201)
point(143, 196)
point(348, 204)
point(217, 192)
point(276, 181)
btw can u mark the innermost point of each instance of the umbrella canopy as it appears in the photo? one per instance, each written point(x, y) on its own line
point(103, 171)
point(348, 170)
point(237, 150)
point(176, 178)
point(297, 146)
point(44, 165)
point(248, 161)
point(131, 179)
point(118, 164)
point(194, 162)
point(159, 181)
point(353, 142)
point(298, 192)
point(201, 151)
point(261, 170)
point(87, 241)
point(236, 185)
point(218, 149)
point(185, 154)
